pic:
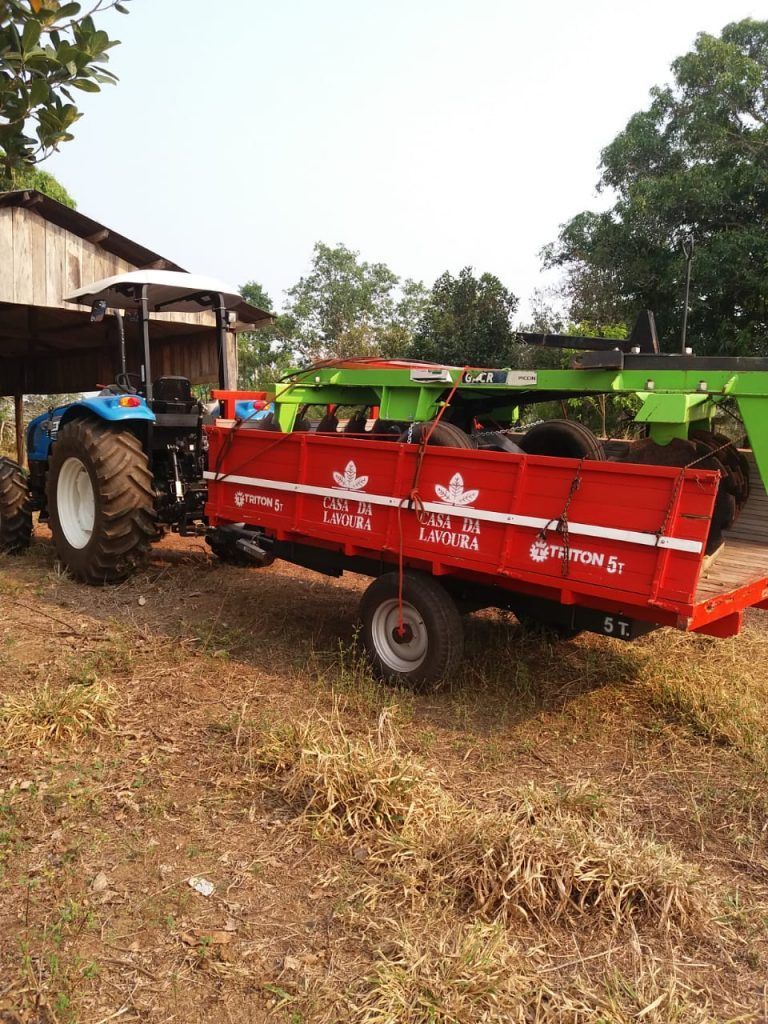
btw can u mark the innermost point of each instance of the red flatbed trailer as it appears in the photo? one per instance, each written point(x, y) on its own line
point(613, 547)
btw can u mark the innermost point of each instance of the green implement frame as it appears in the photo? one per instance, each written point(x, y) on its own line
point(677, 393)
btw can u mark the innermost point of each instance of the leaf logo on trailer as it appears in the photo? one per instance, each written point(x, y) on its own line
point(454, 493)
point(349, 480)
point(350, 513)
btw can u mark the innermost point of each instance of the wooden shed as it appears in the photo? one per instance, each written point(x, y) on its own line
point(47, 346)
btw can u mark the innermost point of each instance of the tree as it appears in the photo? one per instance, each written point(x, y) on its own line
point(264, 355)
point(33, 177)
point(48, 49)
point(396, 336)
point(343, 307)
point(467, 321)
point(695, 162)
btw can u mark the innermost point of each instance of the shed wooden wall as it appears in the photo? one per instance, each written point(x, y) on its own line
point(48, 346)
point(40, 263)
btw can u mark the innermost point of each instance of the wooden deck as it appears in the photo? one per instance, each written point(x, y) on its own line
point(744, 556)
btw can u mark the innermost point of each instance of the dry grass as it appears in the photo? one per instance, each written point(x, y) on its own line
point(555, 864)
point(468, 876)
point(348, 785)
point(471, 972)
point(547, 857)
point(719, 689)
point(48, 713)
point(468, 974)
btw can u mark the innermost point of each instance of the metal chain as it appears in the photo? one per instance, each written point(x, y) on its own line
point(561, 524)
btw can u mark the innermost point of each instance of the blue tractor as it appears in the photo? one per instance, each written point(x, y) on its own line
point(111, 472)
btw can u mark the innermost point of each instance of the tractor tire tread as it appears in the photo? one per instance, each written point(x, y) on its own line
point(15, 508)
point(126, 521)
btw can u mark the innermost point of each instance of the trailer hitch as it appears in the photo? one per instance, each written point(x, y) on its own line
point(239, 540)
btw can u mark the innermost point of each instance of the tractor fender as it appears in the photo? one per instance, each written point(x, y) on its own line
point(42, 431)
point(107, 407)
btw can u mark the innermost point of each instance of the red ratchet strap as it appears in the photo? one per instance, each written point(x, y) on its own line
point(414, 499)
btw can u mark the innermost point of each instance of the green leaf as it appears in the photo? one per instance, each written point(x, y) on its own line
point(69, 10)
point(31, 35)
point(121, 9)
point(86, 85)
point(38, 91)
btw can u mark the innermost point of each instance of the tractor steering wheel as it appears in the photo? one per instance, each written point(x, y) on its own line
point(123, 382)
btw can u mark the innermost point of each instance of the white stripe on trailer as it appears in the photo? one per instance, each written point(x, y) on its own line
point(650, 540)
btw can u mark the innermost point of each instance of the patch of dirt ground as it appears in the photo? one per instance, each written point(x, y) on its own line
point(567, 832)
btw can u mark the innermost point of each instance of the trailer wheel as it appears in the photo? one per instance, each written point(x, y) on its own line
point(444, 435)
point(432, 640)
point(15, 511)
point(100, 501)
point(564, 439)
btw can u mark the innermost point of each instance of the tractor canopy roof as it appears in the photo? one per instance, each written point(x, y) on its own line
point(168, 291)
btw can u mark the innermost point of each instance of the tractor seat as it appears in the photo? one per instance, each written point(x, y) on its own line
point(173, 394)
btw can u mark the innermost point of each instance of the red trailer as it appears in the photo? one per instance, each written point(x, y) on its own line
point(611, 547)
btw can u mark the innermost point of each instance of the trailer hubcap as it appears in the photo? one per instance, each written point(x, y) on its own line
point(75, 502)
point(400, 650)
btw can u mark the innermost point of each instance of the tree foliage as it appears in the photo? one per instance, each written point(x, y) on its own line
point(467, 320)
point(48, 51)
point(345, 306)
point(263, 355)
point(695, 162)
point(34, 177)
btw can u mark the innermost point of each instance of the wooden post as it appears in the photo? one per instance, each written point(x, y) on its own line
point(230, 359)
point(18, 410)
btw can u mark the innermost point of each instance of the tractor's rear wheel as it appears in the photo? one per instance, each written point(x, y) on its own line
point(15, 512)
point(100, 501)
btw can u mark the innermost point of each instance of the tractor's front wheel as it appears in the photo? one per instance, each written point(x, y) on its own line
point(15, 512)
point(100, 501)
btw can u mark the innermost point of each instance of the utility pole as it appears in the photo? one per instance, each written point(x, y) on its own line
point(688, 253)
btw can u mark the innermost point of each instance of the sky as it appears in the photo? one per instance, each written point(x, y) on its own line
point(426, 134)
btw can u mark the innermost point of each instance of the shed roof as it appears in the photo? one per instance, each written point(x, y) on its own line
point(84, 227)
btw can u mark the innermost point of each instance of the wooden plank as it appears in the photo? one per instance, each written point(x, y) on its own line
point(73, 260)
point(38, 244)
point(7, 261)
point(55, 252)
point(23, 290)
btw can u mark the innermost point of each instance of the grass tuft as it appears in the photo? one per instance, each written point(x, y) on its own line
point(468, 973)
point(544, 866)
point(349, 785)
point(551, 854)
point(718, 689)
point(57, 714)
point(471, 972)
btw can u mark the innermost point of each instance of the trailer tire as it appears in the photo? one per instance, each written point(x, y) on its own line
point(564, 439)
point(101, 502)
point(433, 642)
point(15, 510)
point(444, 435)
